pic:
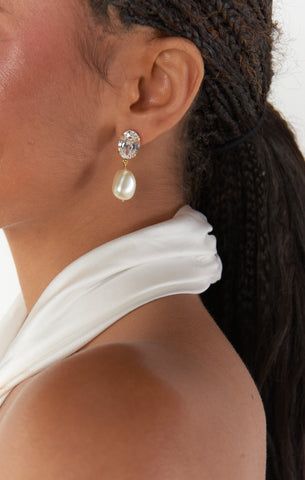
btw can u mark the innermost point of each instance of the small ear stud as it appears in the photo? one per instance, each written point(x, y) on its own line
point(124, 183)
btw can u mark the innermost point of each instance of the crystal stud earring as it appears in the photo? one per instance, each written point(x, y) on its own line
point(124, 183)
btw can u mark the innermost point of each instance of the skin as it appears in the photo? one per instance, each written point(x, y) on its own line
point(60, 123)
point(60, 126)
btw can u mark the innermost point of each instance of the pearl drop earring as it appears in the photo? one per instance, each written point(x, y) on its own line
point(124, 183)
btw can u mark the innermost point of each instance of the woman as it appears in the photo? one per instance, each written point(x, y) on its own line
point(203, 374)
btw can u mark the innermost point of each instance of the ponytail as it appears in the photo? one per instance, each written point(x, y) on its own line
point(255, 200)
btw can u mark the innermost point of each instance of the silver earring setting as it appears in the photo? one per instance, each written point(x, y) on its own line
point(124, 183)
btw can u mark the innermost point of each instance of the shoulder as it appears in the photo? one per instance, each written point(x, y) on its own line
point(111, 413)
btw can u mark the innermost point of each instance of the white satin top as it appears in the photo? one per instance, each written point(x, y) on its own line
point(175, 256)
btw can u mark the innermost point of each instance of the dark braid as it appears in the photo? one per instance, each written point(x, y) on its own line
point(252, 194)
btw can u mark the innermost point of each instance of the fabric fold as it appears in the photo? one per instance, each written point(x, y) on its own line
point(175, 256)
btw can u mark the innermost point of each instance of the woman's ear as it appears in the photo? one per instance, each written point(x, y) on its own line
point(160, 78)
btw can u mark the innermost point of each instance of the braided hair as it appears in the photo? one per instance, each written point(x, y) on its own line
point(252, 194)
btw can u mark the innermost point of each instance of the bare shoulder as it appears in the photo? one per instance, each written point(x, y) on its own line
point(124, 411)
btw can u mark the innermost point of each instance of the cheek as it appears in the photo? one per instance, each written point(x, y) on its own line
point(46, 112)
point(37, 57)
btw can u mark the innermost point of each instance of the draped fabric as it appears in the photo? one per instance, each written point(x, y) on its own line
point(175, 256)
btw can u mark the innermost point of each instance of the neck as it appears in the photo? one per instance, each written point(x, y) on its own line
point(43, 248)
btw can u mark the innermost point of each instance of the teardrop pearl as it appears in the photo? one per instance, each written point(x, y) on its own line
point(124, 184)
